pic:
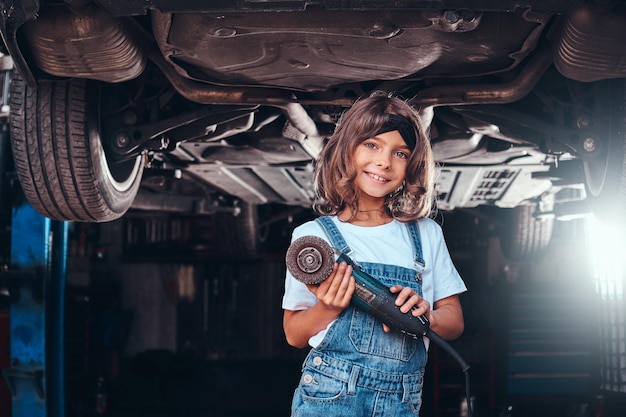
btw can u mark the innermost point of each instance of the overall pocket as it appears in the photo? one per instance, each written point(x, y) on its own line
point(367, 336)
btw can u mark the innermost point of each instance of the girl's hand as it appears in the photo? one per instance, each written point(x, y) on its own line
point(407, 299)
point(336, 291)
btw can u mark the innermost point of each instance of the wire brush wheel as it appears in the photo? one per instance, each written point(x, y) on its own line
point(310, 259)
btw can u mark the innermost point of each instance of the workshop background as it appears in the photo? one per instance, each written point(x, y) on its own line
point(155, 314)
point(159, 322)
point(151, 315)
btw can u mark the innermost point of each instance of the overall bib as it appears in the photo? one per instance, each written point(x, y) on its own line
point(358, 369)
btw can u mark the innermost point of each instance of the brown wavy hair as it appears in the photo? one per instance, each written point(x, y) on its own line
point(335, 172)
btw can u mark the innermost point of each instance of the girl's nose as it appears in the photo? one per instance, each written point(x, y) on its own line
point(383, 162)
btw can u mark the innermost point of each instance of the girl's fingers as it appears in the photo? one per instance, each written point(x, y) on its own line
point(396, 288)
point(408, 299)
point(423, 308)
point(341, 284)
point(336, 290)
point(405, 294)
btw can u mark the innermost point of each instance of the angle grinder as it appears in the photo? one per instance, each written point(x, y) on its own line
point(310, 260)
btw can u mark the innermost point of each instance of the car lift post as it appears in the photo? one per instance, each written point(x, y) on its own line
point(36, 280)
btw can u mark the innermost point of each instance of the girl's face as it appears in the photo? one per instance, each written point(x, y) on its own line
point(381, 166)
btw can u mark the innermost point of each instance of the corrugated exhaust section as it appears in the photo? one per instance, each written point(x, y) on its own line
point(91, 45)
point(590, 46)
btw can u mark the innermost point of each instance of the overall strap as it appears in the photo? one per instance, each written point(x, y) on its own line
point(414, 232)
point(334, 235)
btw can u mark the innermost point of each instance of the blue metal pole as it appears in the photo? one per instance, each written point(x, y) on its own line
point(37, 373)
point(30, 255)
point(55, 300)
point(4, 149)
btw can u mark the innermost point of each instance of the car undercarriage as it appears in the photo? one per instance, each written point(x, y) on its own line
point(193, 107)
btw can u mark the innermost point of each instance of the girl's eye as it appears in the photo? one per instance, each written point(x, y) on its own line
point(401, 154)
point(370, 145)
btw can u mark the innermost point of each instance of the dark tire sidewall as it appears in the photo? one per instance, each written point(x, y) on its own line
point(75, 183)
point(118, 194)
point(605, 178)
point(523, 236)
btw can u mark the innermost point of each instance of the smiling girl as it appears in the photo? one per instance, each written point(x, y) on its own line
point(375, 182)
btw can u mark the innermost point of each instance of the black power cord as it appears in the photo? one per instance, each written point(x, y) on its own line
point(434, 337)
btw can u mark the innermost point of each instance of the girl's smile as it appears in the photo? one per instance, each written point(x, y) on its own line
point(378, 178)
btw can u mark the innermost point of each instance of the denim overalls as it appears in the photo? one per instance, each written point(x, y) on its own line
point(358, 369)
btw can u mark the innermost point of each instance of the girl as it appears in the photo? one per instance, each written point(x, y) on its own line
point(374, 181)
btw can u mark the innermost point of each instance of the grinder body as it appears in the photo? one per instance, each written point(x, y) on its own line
point(375, 298)
point(310, 260)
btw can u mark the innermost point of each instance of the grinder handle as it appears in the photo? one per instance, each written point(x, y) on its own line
point(375, 298)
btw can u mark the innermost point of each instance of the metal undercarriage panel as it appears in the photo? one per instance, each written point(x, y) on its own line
point(140, 7)
point(316, 50)
point(260, 184)
point(457, 186)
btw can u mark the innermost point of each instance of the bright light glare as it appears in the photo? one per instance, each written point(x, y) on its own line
point(606, 246)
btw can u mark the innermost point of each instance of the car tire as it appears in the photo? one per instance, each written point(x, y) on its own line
point(605, 175)
point(524, 236)
point(59, 155)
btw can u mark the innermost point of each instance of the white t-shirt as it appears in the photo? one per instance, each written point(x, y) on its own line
point(387, 244)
